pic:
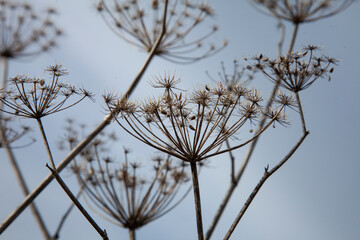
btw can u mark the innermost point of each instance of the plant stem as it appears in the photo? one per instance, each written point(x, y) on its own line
point(101, 126)
point(15, 166)
point(132, 234)
point(301, 112)
point(101, 232)
point(197, 200)
point(46, 143)
point(266, 175)
point(251, 149)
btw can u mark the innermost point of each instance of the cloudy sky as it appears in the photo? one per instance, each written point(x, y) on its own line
point(314, 196)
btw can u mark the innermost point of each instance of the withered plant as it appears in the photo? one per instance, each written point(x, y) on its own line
point(191, 128)
point(139, 23)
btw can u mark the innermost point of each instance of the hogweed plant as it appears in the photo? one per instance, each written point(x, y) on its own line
point(186, 126)
point(302, 11)
point(127, 195)
point(140, 25)
point(191, 128)
point(35, 98)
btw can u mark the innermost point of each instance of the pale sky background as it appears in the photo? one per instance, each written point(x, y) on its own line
point(315, 195)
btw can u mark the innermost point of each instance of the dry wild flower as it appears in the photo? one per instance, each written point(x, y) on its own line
point(35, 98)
point(140, 25)
point(297, 71)
point(123, 193)
point(23, 32)
point(300, 11)
point(190, 128)
point(12, 134)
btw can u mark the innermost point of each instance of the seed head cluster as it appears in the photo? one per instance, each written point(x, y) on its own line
point(35, 98)
point(126, 193)
point(23, 32)
point(189, 127)
point(297, 71)
point(300, 11)
point(140, 25)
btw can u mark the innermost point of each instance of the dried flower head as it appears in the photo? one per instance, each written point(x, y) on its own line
point(239, 73)
point(300, 11)
point(125, 194)
point(298, 70)
point(35, 98)
point(23, 32)
point(140, 25)
point(13, 134)
point(190, 128)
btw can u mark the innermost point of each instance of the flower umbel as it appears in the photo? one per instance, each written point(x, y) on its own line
point(297, 71)
point(141, 25)
point(190, 128)
point(23, 32)
point(300, 11)
point(34, 98)
point(125, 193)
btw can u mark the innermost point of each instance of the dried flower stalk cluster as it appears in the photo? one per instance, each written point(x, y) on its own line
point(125, 194)
point(24, 33)
point(300, 11)
point(141, 25)
point(298, 70)
point(34, 98)
point(191, 128)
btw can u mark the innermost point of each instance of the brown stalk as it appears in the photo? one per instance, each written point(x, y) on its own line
point(15, 165)
point(196, 189)
point(101, 232)
point(266, 175)
point(106, 121)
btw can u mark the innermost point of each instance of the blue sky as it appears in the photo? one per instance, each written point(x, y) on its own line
point(314, 196)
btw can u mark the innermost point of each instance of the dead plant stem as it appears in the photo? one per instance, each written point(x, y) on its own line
point(266, 175)
point(101, 232)
point(196, 189)
point(46, 143)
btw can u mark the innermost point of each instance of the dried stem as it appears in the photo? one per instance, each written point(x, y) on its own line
point(301, 112)
point(266, 175)
point(22, 182)
point(196, 188)
point(19, 176)
point(101, 126)
point(250, 150)
point(46, 143)
point(132, 234)
point(101, 232)
point(232, 159)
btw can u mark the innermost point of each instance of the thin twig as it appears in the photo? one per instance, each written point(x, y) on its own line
point(101, 126)
point(101, 232)
point(232, 159)
point(46, 143)
point(251, 149)
point(266, 175)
